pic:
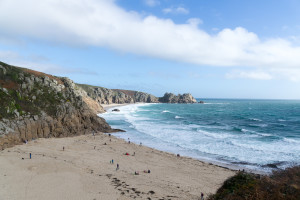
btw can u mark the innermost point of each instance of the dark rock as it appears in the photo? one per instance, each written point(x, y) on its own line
point(274, 166)
point(171, 98)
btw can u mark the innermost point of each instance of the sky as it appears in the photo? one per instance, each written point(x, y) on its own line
point(211, 49)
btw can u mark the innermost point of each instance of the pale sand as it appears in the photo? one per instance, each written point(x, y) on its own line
point(80, 172)
point(113, 105)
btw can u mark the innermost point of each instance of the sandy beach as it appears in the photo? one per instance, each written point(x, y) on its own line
point(83, 170)
point(113, 105)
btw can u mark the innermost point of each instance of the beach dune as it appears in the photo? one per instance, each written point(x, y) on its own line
point(84, 170)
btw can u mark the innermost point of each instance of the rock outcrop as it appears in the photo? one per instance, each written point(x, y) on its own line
point(35, 105)
point(171, 98)
point(107, 96)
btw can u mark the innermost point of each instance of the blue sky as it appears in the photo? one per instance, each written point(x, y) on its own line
point(212, 49)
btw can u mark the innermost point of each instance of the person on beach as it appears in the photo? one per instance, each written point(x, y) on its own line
point(202, 196)
point(63, 148)
point(117, 167)
point(133, 154)
point(112, 161)
point(29, 155)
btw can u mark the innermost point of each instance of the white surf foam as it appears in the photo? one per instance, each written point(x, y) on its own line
point(191, 139)
point(178, 117)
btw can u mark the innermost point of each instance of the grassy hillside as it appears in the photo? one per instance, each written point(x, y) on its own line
point(21, 95)
point(280, 185)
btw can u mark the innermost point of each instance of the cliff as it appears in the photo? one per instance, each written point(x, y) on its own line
point(109, 96)
point(36, 105)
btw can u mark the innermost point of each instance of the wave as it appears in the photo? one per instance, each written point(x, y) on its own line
point(289, 140)
point(214, 134)
point(216, 103)
point(255, 119)
point(177, 117)
point(237, 129)
point(239, 137)
point(258, 125)
point(265, 134)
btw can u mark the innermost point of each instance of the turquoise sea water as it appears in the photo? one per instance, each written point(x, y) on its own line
point(253, 134)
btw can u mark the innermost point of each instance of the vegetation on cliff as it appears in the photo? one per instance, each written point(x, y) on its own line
point(108, 96)
point(34, 105)
point(21, 95)
point(284, 184)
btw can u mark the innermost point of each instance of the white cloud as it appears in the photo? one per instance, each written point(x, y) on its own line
point(194, 21)
point(258, 75)
point(176, 10)
point(103, 23)
point(290, 74)
point(152, 3)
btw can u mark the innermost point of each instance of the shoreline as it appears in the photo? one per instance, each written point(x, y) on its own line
point(113, 105)
point(220, 164)
point(80, 164)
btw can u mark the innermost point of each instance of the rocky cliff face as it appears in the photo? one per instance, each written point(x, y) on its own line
point(171, 98)
point(108, 96)
point(35, 105)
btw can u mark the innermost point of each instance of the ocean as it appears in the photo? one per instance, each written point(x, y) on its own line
point(259, 135)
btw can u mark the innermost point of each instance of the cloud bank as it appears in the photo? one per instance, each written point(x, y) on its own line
point(103, 23)
point(176, 10)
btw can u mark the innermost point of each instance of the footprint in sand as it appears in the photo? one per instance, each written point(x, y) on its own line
point(32, 168)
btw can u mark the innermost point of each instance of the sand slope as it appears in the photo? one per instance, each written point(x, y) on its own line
point(82, 172)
